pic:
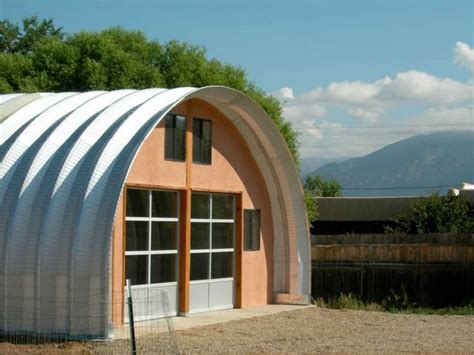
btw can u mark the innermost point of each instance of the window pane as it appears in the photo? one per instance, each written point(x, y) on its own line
point(247, 230)
point(137, 203)
point(136, 267)
point(251, 229)
point(222, 207)
point(200, 237)
point(169, 137)
point(197, 134)
point(163, 268)
point(221, 265)
point(136, 235)
point(206, 142)
point(175, 137)
point(200, 206)
point(180, 137)
point(164, 235)
point(256, 230)
point(199, 267)
point(222, 235)
point(164, 204)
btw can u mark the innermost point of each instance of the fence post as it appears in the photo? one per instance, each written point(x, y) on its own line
point(130, 318)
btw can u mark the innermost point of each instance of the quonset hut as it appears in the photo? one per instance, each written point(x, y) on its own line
point(189, 193)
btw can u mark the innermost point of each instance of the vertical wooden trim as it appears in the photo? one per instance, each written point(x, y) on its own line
point(189, 143)
point(238, 250)
point(184, 253)
point(118, 267)
point(185, 245)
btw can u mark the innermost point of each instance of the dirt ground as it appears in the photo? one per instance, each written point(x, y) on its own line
point(309, 330)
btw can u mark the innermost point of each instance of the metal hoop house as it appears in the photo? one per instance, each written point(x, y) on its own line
point(64, 160)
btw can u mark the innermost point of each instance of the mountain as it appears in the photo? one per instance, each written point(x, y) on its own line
point(309, 164)
point(442, 158)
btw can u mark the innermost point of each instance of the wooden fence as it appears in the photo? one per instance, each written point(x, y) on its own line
point(435, 270)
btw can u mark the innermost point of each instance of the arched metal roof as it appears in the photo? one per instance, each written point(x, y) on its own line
point(64, 160)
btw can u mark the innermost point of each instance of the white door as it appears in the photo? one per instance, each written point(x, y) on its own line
point(212, 252)
point(151, 252)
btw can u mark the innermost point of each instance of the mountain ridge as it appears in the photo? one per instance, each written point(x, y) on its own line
point(441, 158)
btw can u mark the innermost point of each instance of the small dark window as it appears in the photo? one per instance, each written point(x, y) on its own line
point(202, 141)
point(175, 137)
point(251, 229)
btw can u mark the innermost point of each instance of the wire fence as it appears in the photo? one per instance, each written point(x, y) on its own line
point(88, 324)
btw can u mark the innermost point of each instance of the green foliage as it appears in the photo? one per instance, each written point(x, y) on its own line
point(393, 304)
point(24, 41)
point(435, 214)
point(318, 186)
point(39, 57)
point(311, 206)
point(349, 301)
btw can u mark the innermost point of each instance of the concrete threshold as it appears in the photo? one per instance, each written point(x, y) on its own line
point(163, 325)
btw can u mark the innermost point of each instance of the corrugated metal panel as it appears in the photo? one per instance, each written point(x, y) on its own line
point(66, 158)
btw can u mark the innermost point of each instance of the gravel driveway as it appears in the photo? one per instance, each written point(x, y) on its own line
point(307, 330)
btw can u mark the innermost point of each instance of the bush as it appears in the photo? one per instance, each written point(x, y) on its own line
point(436, 214)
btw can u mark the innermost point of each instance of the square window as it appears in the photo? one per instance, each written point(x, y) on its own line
point(164, 235)
point(202, 141)
point(199, 266)
point(164, 204)
point(200, 206)
point(222, 206)
point(175, 137)
point(163, 268)
point(137, 203)
point(251, 230)
point(137, 235)
point(222, 235)
point(221, 265)
point(136, 269)
point(200, 238)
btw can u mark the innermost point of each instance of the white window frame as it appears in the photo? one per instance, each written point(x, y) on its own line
point(150, 252)
point(210, 251)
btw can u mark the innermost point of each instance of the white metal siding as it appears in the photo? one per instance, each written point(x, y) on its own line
point(64, 160)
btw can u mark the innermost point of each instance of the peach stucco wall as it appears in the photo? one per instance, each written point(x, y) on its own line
point(232, 170)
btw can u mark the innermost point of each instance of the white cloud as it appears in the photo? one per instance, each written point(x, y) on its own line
point(452, 118)
point(298, 112)
point(464, 56)
point(368, 116)
point(421, 87)
point(367, 101)
point(283, 94)
point(408, 98)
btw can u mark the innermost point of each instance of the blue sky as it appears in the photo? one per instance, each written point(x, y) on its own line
point(306, 46)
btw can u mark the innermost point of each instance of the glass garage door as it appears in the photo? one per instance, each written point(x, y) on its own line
point(212, 252)
point(151, 251)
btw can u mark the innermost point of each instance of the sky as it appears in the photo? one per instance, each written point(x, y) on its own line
point(352, 76)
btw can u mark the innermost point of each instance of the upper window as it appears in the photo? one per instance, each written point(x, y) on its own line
point(175, 137)
point(251, 230)
point(202, 141)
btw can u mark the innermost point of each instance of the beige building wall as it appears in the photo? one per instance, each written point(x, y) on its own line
point(233, 170)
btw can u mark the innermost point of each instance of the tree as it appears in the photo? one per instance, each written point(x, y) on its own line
point(436, 214)
point(14, 40)
point(39, 57)
point(318, 186)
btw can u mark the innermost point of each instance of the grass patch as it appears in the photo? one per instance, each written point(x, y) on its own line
point(391, 304)
point(349, 301)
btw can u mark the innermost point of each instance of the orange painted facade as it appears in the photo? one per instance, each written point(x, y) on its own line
point(233, 170)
